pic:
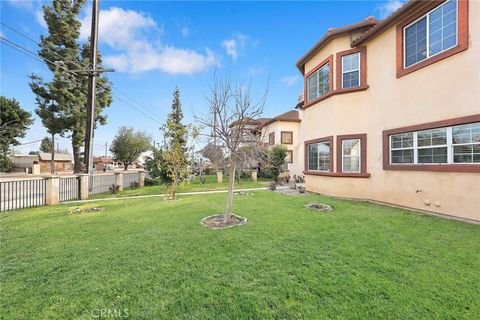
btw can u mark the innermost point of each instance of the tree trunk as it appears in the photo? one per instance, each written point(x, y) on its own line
point(227, 216)
point(173, 194)
point(52, 161)
point(77, 161)
point(125, 166)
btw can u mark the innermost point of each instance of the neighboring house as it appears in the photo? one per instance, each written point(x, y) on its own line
point(63, 162)
point(285, 129)
point(102, 163)
point(392, 109)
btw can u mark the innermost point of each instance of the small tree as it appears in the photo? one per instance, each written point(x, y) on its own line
point(276, 158)
point(46, 145)
point(231, 111)
point(128, 145)
point(14, 123)
point(175, 151)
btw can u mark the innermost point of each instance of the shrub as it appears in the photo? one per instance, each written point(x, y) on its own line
point(273, 186)
point(202, 179)
point(134, 185)
point(114, 188)
point(301, 189)
point(275, 161)
point(287, 178)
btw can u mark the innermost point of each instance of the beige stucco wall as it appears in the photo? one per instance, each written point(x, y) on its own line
point(447, 89)
point(278, 127)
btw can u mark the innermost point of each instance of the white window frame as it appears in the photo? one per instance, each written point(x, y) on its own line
point(427, 35)
point(318, 86)
point(415, 147)
point(359, 69)
point(350, 156)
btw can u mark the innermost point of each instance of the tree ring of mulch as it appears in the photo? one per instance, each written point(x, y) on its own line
point(319, 206)
point(87, 210)
point(215, 221)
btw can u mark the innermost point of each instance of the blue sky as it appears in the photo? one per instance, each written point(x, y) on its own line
point(155, 46)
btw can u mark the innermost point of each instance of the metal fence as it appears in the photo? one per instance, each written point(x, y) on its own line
point(129, 178)
point(69, 188)
point(101, 183)
point(22, 194)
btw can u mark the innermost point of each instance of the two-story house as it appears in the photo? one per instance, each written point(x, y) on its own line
point(285, 129)
point(392, 109)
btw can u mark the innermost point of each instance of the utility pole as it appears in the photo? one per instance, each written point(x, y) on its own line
point(92, 81)
point(52, 151)
point(92, 74)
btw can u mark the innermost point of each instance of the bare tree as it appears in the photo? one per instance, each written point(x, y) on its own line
point(231, 119)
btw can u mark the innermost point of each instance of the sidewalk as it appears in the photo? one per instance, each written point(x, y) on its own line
point(178, 194)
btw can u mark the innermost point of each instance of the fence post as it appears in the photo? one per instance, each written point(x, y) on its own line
point(52, 190)
point(83, 186)
point(219, 176)
point(119, 180)
point(254, 175)
point(141, 178)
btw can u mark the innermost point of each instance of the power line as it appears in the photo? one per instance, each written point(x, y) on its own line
point(78, 64)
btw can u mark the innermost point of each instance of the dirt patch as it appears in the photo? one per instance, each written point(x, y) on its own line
point(242, 193)
point(319, 206)
point(86, 210)
point(216, 221)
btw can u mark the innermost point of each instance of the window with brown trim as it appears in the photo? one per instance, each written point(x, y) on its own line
point(351, 72)
point(318, 83)
point(319, 155)
point(437, 31)
point(352, 155)
point(286, 137)
point(448, 145)
point(271, 138)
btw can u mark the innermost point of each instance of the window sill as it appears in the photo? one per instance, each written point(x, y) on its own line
point(474, 168)
point(354, 89)
point(335, 92)
point(337, 174)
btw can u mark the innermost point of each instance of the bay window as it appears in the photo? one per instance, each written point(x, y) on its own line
point(351, 70)
point(431, 34)
point(319, 83)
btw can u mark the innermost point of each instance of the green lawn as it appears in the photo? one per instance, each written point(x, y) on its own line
point(152, 257)
point(210, 184)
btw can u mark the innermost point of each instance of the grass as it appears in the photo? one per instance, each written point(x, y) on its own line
point(209, 185)
point(152, 257)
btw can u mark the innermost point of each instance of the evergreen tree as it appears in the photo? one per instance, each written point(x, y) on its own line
point(46, 145)
point(62, 101)
point(174, 154)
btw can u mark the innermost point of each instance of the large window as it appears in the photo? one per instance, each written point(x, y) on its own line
point(466, 143)
point(448, 145)
point(351, 155)
point(319, 155)
point(319, 83)
point(351, 70)
point(431, 34)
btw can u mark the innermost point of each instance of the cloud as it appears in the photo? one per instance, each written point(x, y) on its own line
point(39, 16)
point(290, 80)
point(236, 45)
point(35, 7)
point(387, 8)
point(23, 4)
point(185, 31)
point(254, 71)
point(135, 35)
